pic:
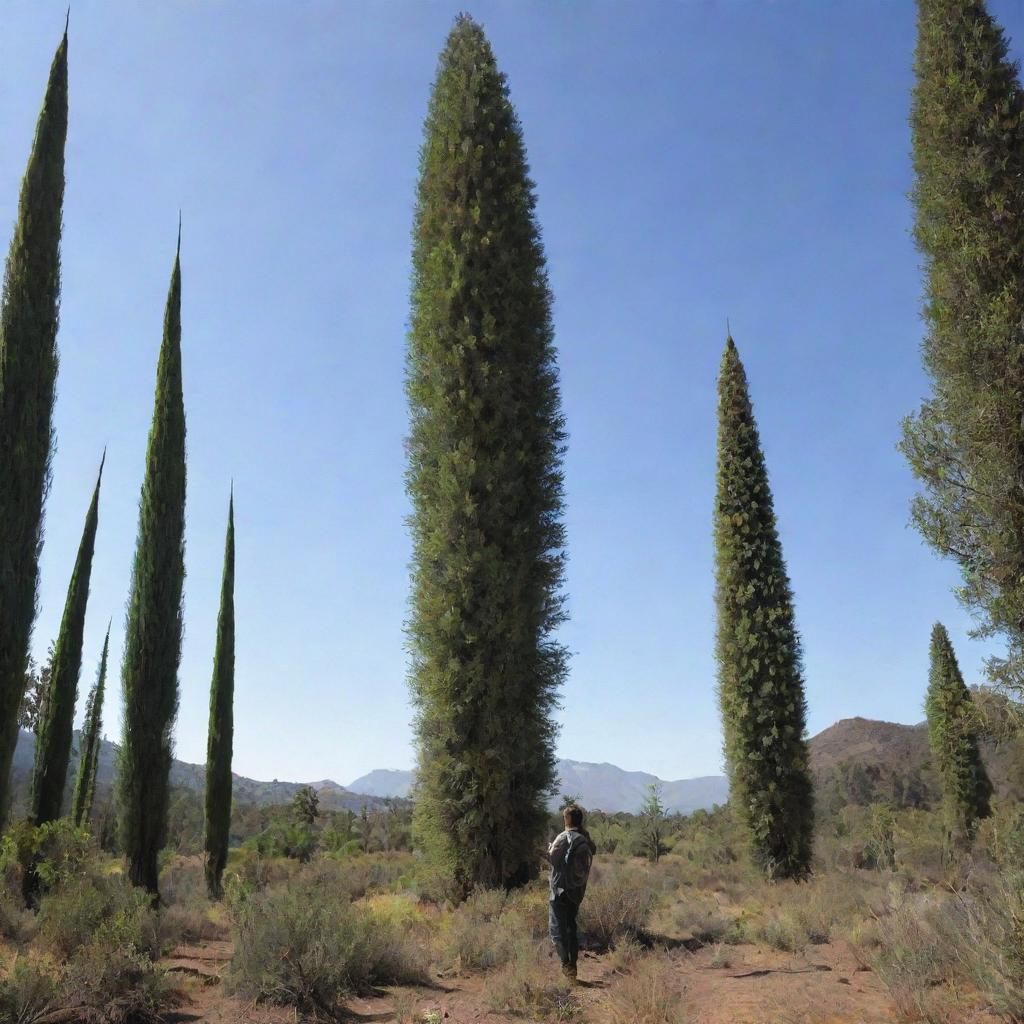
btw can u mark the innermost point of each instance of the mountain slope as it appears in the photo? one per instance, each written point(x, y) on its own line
point(193, 776)
point(886, 751)
point(597, 786)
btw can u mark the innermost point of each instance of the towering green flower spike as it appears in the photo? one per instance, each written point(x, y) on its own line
point(89, 755)
point(152, 646)
point(953, 738)
point(28, 373)
point(760, 678)
point(485, 478)
point(53, 742)
point(221, 732)
point(966, 443)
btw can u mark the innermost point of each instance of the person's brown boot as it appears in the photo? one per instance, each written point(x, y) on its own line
point(569, 970)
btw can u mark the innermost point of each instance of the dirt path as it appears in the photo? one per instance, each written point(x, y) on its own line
point(726, 985)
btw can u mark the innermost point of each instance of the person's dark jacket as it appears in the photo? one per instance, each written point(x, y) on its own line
point(558, 854)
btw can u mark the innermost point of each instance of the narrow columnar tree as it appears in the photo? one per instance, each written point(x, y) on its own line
point(53, 741)
point(28, 373)
point(152, 646)
point(953, 738)
point(760, 675)
point(966, 443)
point(89, 754)
point(485, 453)
point(221, 730)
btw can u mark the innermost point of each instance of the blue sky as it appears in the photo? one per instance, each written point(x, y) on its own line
point(695, 161)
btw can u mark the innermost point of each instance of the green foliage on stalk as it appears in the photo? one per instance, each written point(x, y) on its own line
point(221, 729)
point(485, 452)
point(53, 740)
point(966, 443)
point(953, 738)
point(152, 646)
point(29, 313)
point(89, 755)
point(760, 675)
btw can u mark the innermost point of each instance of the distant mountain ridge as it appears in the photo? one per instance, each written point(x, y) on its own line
point(598, 786)
point(888, 747)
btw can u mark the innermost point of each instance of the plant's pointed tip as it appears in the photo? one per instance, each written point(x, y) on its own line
point(730, 344)
point(103, 462)
point(177, 253)
point(67, 21)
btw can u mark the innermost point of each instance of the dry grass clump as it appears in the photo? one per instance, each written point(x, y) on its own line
point(915, 959)
point(790, 916)
point(650, 994)
point(699, 916)
point(620, 901)
point(186, 913)
point(985, 930)
point(623, 956)
point(484, 932)
point(527, 987)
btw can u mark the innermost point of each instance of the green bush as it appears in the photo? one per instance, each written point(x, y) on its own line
point(86, 908)
point(28, 989)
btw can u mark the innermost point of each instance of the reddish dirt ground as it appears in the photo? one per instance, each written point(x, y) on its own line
point(734, 985)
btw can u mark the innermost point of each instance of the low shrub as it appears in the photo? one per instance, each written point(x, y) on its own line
point(914, 957)
point(113, 982)
point(359, 875)
point(527, 988)
point(650, 994)
point(310, 947)
point(699, 917)
point(986, 931)
point(28, 990)
point(620, 900)
point(74, 913)
point(485, 931)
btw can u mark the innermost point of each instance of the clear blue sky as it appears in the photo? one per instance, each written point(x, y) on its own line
point(694, 161)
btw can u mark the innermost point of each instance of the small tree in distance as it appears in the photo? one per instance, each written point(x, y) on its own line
point(953, 738)
point(306, 806)
point(652, 824)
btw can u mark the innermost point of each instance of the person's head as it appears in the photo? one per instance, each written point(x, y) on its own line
point(573, 816)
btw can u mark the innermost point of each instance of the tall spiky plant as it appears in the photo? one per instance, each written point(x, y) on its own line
point(221, 730)
point(29, 313)
point(89, 755)
point(53, 742)
point(152, 646)
point(953, 738)
point(485, 479)
point(760, 676)
point(966, 443)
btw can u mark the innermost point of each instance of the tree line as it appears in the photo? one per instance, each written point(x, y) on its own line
point(29, 315)
point(486, 445)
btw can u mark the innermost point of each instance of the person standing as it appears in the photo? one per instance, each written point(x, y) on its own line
point(571, 855)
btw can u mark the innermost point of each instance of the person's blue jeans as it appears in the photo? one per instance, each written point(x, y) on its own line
point(562, 913)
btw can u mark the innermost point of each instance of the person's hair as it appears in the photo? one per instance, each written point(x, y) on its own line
point(573, 816)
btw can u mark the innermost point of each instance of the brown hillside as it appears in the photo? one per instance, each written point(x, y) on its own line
point(892, 750)
point(884, 744)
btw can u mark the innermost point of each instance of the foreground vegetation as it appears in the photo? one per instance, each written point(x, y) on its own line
point(316, 929)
